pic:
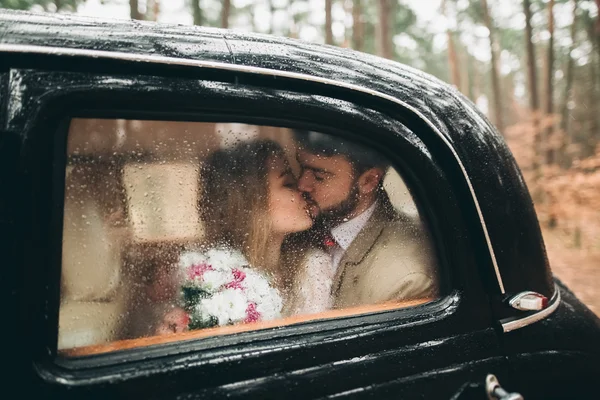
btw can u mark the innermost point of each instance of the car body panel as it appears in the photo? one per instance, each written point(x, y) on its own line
point(376, 349)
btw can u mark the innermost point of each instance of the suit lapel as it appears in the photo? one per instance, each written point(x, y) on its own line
point(362, 244)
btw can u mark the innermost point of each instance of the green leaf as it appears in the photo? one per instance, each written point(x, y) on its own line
point(191, 295)
point(197, 322)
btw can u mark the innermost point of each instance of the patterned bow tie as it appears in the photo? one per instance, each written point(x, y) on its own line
point(329, 241)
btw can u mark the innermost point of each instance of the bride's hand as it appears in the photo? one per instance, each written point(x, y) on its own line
point(174, 321)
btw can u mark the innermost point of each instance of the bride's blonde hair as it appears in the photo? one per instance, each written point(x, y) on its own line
point(234, 197)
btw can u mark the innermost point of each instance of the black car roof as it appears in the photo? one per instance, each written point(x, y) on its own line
point(503, 198)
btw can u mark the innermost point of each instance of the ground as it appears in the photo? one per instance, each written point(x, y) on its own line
point(579, 269)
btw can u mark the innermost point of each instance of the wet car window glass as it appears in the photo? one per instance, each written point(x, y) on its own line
point(185, 229)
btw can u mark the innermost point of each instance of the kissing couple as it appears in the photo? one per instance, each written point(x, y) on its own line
point(278, 245)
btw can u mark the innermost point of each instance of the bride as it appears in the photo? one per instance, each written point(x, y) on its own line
point(252, 213)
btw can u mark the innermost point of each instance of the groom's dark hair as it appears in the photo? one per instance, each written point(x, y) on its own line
point(362, 158)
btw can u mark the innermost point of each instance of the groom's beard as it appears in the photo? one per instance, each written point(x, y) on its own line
point(341, 212)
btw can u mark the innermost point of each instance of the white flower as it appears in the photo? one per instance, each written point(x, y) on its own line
point(228, 306)
point(256, 284)
point(267, 299)
point(214, 280)
point(213, 271)
point(189, 258)
point(223, 258)
point(270, 305)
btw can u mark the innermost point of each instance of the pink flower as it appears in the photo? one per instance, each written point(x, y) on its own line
point(238, 278)
point(238, 274)
point(251, 314)
point(198, 270)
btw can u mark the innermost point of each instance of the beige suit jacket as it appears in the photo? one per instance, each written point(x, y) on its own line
point(392, 258)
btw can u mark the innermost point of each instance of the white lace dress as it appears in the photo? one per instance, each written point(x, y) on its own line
point(311, 292)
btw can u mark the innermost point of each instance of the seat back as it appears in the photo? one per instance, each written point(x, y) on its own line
point(92, 298)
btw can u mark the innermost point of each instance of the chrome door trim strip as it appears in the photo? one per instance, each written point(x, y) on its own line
point(61, 51)
point(530, 319)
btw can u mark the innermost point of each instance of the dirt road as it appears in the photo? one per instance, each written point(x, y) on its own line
point(579, 269)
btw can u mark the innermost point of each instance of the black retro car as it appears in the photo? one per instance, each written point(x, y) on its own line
point(103, 128)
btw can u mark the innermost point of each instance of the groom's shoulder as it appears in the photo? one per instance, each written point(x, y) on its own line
point(405, 239)
point(399, 223)
point(402, 233)
point(404, 230)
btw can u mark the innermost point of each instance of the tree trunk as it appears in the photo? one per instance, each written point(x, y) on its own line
point(328, 22)
point(594, 98)
point(253, 20)
point(225, 10)
point(508, 83)
point(358, 31)
point(272, 10)
point(564, 122)
point(594, 65)
point(152, 10)
point(293, 21)
point(452, 59)
point(549, 92)
point(58, 4)
point(475, 68)
point(494, 67)
point(531, 65)
point(549, 106)
point(598, 25)
point(468, 81)
point(534, 103)
point(197, 12)
point(383, 32)
point(134, 12)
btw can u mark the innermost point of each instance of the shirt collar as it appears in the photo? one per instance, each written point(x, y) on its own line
point(347, 231)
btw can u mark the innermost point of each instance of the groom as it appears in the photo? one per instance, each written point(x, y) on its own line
point(377, 253)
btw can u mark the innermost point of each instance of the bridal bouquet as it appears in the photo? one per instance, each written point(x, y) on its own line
point(220, 288)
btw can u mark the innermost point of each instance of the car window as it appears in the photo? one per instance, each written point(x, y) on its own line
point(174, 230)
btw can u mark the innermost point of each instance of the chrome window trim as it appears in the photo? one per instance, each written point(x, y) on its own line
point(62, 51)
point(532, 318)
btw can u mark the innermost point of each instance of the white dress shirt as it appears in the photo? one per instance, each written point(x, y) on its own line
point(345, 233)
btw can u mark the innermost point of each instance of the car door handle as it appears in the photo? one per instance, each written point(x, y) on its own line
point(496, 392)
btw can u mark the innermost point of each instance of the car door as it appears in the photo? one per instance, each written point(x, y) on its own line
point(433, 349)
